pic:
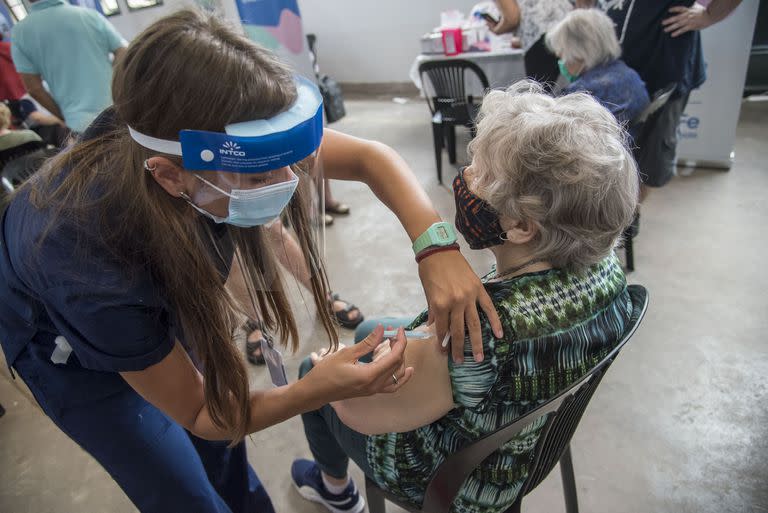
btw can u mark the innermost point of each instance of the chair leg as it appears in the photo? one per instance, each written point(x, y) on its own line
point(374, 497)
point(630, 254)
point(437, 136)
point(450, 136)
point(569, 481)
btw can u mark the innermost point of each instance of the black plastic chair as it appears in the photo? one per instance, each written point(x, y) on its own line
point(643, 125)
point(564, 413)
point(451, 104)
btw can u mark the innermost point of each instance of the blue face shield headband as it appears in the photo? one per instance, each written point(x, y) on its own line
point(252, 146)
point(232, 161)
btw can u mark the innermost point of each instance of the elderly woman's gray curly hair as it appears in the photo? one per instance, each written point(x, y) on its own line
point(585, 35)
point(560, 163)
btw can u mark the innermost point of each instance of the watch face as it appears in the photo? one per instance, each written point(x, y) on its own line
point(442, 233)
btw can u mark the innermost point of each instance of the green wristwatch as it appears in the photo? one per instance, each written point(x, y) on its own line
point(439, 234)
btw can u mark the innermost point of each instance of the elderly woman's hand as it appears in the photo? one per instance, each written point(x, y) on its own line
point(453, 292)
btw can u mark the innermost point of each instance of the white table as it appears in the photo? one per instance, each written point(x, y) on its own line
point(501, 67)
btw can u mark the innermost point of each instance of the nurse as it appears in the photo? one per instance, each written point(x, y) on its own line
point(127, 262)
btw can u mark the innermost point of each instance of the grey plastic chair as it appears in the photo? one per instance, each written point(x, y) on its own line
point(564, 410)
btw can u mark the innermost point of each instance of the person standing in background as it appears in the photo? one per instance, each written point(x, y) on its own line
point(530, 20)
point(69, 47)
point(661, 41)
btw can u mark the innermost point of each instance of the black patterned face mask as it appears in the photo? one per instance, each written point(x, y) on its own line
point(475, 219)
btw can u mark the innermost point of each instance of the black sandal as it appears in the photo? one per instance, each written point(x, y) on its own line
point(252, 346)
point(343, 316)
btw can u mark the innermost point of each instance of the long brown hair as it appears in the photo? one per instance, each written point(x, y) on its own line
point(187, 70)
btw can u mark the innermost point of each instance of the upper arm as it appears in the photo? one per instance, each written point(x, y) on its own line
point(113, 316)
point(344, 157)
point(173, 385)
point(511, 12)
point(426, 397)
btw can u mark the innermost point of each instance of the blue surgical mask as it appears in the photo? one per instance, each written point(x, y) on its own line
point(253, 207)
point(564, 71)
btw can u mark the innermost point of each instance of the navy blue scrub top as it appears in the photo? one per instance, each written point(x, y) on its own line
point(113, 317)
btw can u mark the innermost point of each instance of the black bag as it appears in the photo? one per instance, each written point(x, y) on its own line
point(333, 99)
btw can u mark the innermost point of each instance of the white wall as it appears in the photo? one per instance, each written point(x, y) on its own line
point(359, 41)
point(372, 40)
point(131, 23)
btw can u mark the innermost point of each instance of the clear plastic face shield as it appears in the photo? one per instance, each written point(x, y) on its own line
point(255, 173)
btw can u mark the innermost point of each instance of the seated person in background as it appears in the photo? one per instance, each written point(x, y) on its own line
point(50, 128)
point(589, 57)
point(10, 139)
point(550, 189)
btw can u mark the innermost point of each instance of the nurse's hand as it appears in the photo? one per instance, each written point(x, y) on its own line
point(342, 376)
point(453, 292)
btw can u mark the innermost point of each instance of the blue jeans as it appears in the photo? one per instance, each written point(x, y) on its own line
point(331, 442)
point(160, 466)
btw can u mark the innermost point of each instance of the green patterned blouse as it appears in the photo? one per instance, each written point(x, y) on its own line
point(557, 325)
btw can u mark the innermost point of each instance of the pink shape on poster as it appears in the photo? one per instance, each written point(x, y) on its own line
point(289, 32)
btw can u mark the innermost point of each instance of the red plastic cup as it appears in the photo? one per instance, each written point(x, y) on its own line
point(452, 41)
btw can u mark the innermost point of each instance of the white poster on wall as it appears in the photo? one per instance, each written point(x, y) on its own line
point(707, 129)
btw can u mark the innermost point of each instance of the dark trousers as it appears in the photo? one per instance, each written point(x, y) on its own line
point(658, 155)
point(331, 442)
point(541, 64)
point(160, 466)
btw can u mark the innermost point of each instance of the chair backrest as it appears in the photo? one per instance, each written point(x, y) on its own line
point(448, 80)
point(564, 412)
point(645, 124)
point(18, 170)
point(660, 98)
point(15, 152)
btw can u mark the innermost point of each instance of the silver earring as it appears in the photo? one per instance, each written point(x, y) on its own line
point(185, 196)
point(148, 167)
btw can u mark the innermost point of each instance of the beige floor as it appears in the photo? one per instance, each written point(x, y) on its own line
point(680, 424)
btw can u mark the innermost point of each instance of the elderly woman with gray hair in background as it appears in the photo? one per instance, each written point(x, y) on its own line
point(589, 58)
point(550, 190)
point(530, 20)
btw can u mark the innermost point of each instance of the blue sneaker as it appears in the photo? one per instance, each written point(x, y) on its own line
point(309, 483)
